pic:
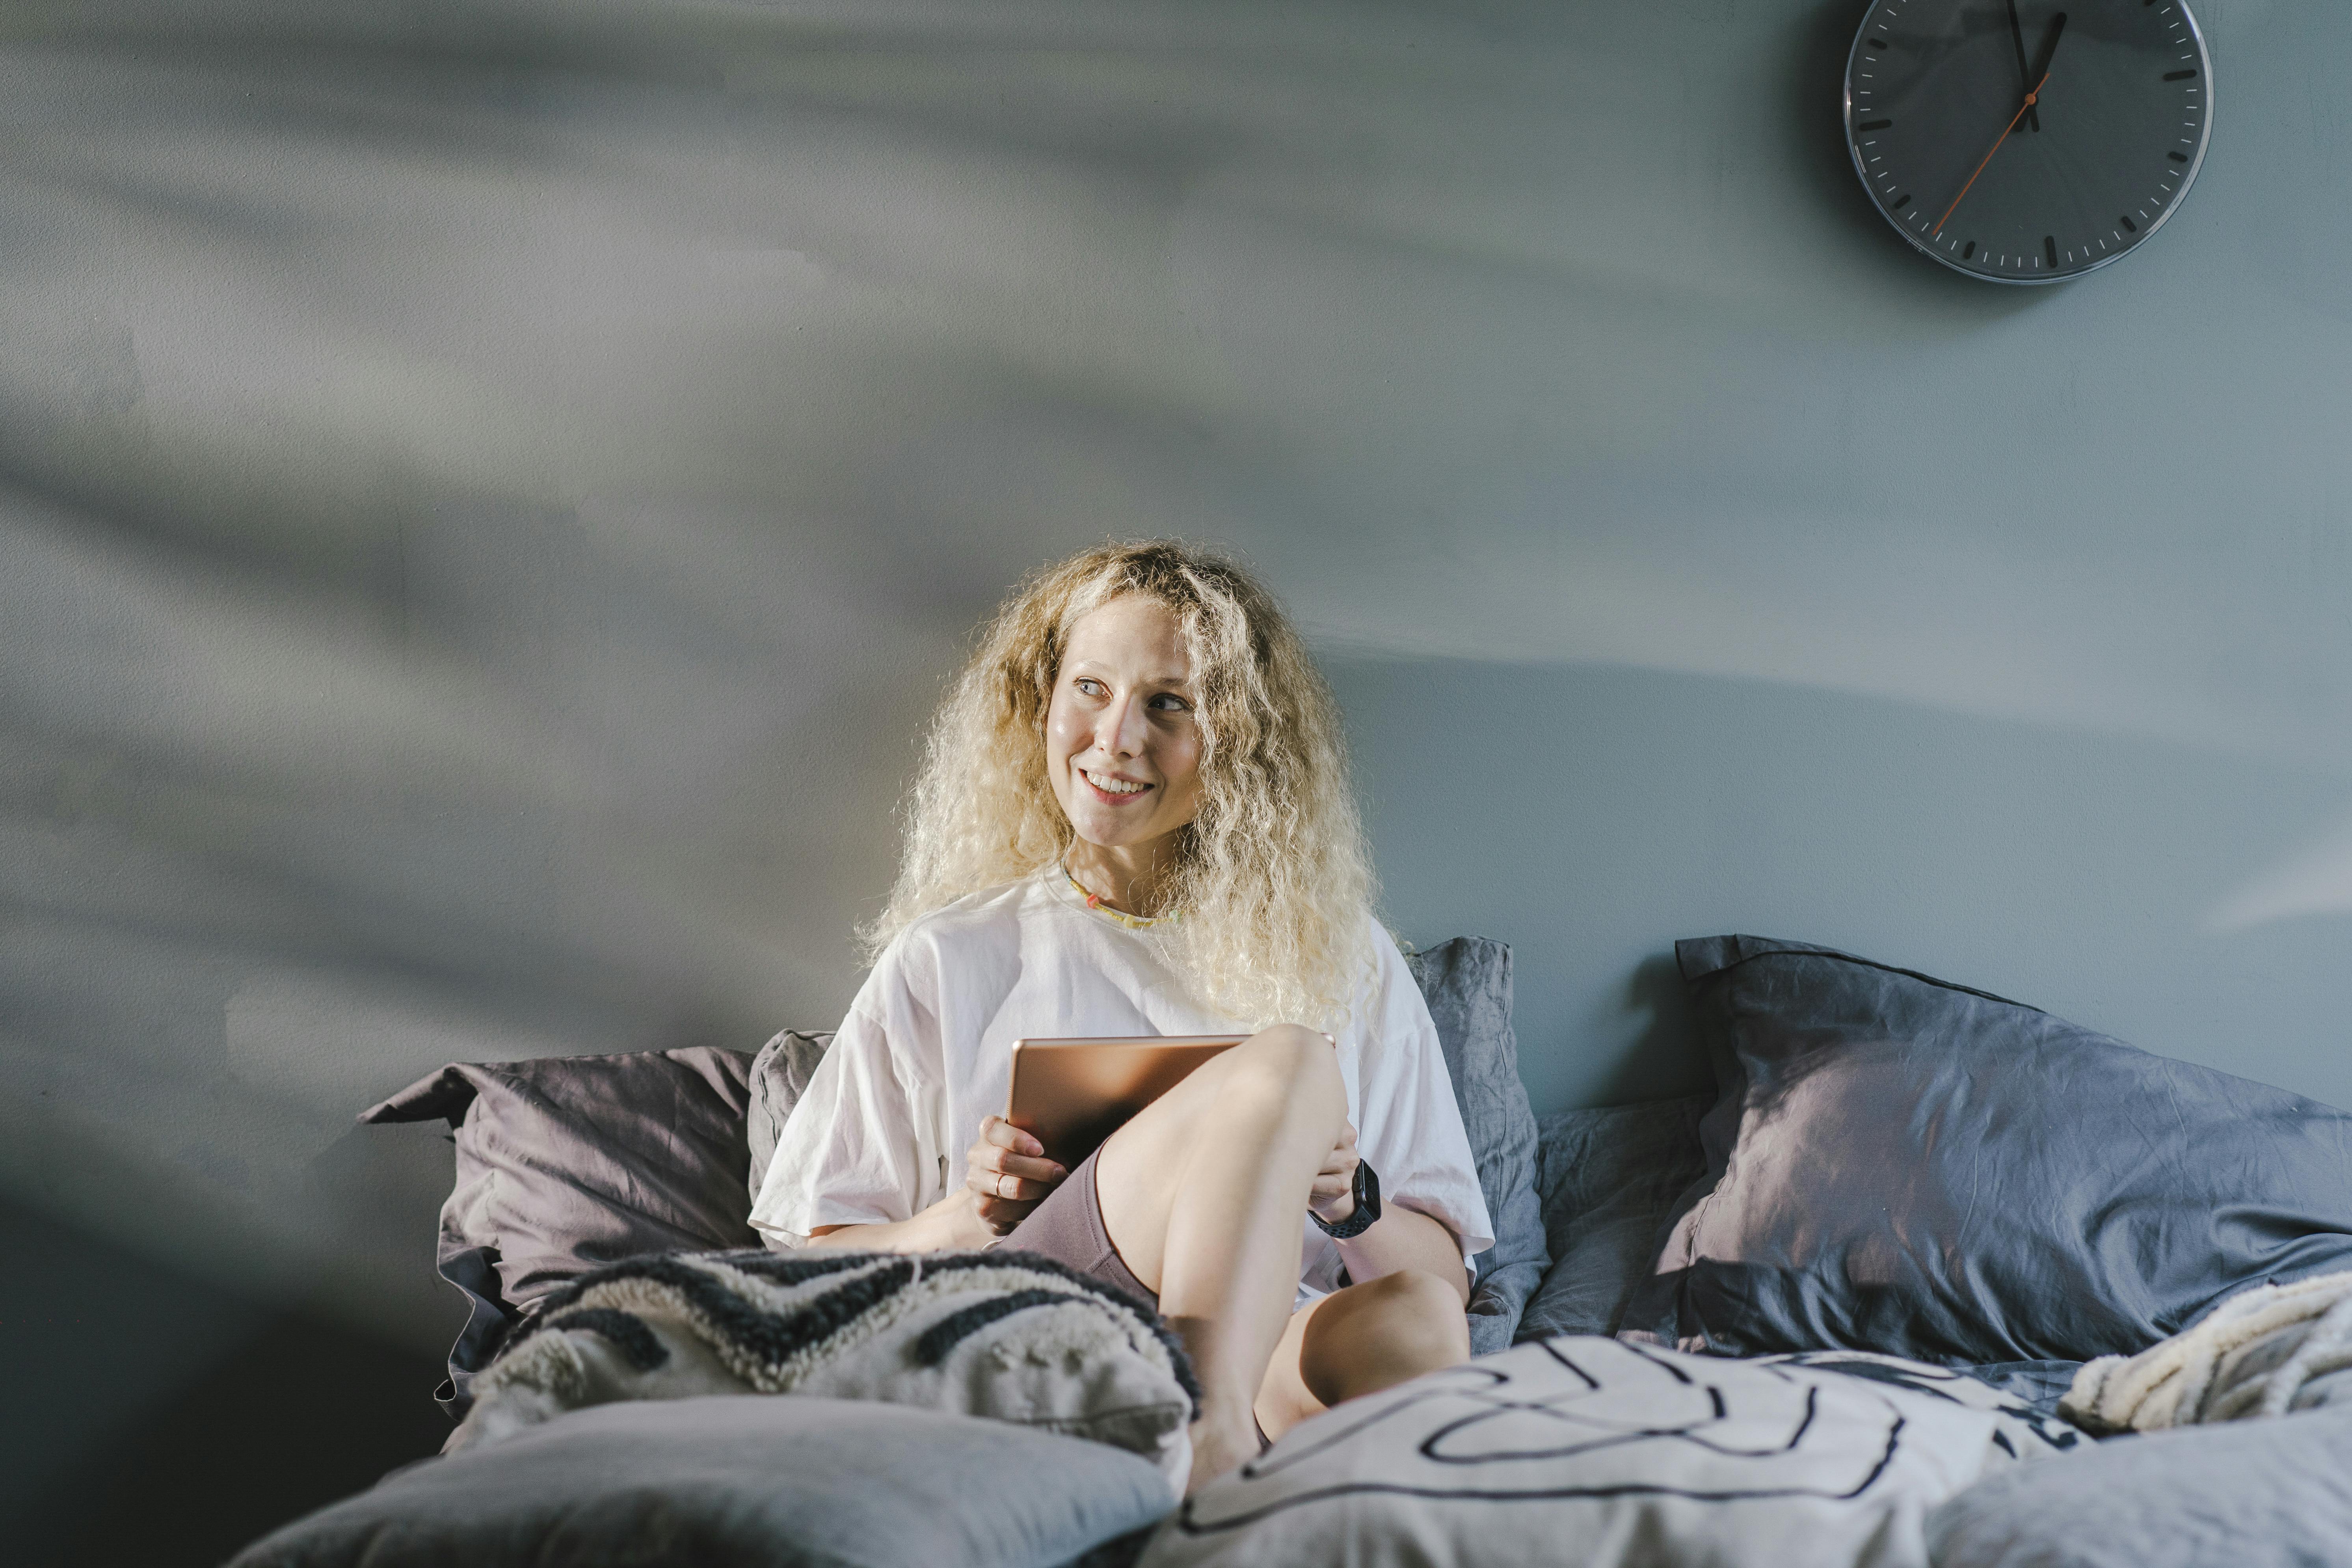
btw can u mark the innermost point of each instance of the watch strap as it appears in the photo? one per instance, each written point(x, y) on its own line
point(1366, 1189)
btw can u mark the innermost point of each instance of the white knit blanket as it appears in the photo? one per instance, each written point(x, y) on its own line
point(1007, 1335)
point(2268, 1350)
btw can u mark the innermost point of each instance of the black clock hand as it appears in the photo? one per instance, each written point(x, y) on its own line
point(2024, 76)
point(2041, 71)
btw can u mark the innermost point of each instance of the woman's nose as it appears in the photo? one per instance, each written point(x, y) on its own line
point(1123, 730)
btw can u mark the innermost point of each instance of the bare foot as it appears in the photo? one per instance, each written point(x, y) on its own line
point(1217, 1451)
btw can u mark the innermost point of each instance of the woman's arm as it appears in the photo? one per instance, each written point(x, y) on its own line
point(1399, 1238)
point(952, 1225)
point(1414, 1136)
point(862, 1137)
point(1406, 1238)
point(1007, 1174)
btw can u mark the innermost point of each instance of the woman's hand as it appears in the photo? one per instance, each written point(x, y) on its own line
point(1009, 1174)
point(1333, 1195)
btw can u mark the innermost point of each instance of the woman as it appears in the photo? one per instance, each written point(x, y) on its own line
point(1134, 818)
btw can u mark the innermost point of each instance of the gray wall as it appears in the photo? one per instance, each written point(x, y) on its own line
point(488, 494)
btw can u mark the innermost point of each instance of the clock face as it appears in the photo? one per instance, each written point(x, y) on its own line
point(1957, 158)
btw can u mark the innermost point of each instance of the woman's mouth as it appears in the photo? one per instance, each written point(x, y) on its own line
point(1112, 788)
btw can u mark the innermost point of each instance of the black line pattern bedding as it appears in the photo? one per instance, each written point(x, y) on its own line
point(1633, 1454)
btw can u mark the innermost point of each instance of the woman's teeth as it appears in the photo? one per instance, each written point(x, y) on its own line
point(1110, 785)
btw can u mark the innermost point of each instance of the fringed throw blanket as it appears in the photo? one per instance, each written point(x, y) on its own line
point(1003, 1334)
point(2264, 1352)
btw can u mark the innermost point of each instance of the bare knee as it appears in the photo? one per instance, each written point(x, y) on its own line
point(1424, 1309)
point(1292, 1063)
point(1292, 1047)
point(1377, 1334)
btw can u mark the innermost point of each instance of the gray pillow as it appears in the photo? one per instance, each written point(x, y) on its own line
point(1608, 1180)
point(1898, 1164)
point(2251, 1494)
point(1467, 984)
point(740, 1481)
point(779, 1075)
point(568, 1163)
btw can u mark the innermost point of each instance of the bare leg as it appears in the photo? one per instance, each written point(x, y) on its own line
point(1204, 1194)
point(1359, 1341)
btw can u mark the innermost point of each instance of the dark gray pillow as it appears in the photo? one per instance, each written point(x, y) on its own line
point(1898, 1164)
point(740, 1481)
point(568, 1163)
point(1608, 1181)
point(2250, 1494)
point(1467, 984)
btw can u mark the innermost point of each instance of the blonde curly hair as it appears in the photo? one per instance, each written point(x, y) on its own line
point(1272, 878)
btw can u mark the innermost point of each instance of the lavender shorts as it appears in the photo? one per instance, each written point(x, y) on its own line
point(1067, 1227)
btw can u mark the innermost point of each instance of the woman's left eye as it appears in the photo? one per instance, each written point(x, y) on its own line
point(1169, 703)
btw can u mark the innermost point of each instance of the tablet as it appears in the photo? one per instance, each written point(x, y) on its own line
point(1073, 1094)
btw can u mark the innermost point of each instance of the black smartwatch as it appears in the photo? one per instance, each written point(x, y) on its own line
point(1367, 1191)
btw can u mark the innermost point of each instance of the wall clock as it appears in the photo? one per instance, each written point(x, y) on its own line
point(2028, 141)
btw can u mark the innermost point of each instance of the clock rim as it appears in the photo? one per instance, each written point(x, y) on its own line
point(2196, 163)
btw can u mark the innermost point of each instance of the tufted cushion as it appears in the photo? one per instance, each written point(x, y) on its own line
point(1005, 1335)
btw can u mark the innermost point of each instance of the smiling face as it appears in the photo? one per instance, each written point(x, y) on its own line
point(1244, 828)
point(1122, 743)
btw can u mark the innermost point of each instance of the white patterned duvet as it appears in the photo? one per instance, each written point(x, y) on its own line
point(1592, 1452)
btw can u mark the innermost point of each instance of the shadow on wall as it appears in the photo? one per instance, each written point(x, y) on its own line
point(153, 1418)
point(1667, 1056)
point(486, 497)
point(487, 501)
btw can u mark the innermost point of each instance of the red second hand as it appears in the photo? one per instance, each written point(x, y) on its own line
point(2030, 99)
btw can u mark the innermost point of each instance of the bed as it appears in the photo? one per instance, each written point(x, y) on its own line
point(1826, 1313)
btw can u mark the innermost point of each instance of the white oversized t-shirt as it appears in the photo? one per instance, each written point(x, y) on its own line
point(927, 1050)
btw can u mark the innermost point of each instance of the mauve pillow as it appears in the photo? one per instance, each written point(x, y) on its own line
point(1898, 1164)
point(567, 1162)
point(1467, 984)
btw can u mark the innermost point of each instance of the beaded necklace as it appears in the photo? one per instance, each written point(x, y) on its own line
point(1094, 902)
